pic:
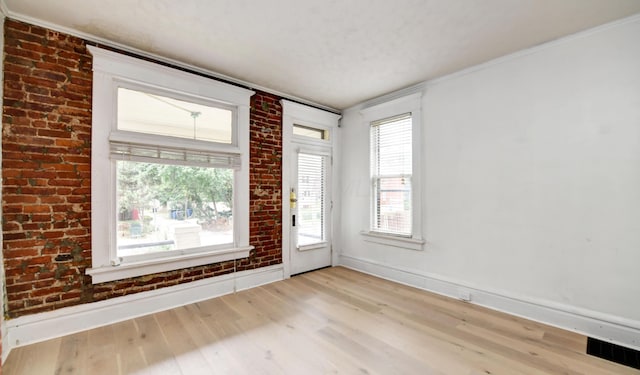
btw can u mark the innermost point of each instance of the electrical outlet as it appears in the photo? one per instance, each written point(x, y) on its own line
point(464, 295)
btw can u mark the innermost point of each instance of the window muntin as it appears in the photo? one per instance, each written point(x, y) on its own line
point(151, 113)
point(391, 175)
point(162, 208)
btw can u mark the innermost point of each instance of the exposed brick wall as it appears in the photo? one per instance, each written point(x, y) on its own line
point(265, 185)
point(46, 170)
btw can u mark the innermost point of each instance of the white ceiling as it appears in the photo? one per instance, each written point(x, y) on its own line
point(334, 53)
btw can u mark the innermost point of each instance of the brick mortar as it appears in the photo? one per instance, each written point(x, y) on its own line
point(46, 171)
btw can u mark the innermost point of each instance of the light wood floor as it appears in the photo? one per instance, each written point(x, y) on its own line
point(329, 321)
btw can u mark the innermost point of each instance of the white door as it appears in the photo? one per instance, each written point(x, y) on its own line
point(310, 211)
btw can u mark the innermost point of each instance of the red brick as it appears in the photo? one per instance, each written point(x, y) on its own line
point(19, 65)
point(26, 53)
point(38, 81)
point(37, 209)
point(43, 49)
point(45, 99)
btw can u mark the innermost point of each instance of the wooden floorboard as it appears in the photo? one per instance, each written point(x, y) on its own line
point(331, 321)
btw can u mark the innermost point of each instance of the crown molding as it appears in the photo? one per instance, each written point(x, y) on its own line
point(4, 11)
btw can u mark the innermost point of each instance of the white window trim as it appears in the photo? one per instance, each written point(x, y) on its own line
point(407, 104)
point(111, 70)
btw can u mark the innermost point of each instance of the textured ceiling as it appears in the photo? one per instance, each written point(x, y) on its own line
point(334, 53)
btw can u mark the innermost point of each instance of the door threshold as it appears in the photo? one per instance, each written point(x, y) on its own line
point(317, 269)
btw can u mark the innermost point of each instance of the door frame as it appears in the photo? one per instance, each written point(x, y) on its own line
point(300, 114)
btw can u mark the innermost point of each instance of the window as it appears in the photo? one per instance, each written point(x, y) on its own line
point(395, 192)
point(310, 132)
point(170, 166)
point(391, 170)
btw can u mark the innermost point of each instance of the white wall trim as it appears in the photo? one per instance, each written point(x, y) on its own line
point(40, 327)
point(606, 327)
point(309, 114)
point(386, 99)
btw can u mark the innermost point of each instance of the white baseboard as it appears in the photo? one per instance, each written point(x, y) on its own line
point(598, 325)
point(43, 326)
point(5, 341)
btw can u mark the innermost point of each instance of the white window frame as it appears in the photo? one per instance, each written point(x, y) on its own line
point(399, 106)
point(112, 70)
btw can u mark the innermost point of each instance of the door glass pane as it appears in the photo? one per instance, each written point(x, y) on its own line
point(311, 199)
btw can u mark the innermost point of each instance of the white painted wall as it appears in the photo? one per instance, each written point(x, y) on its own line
point(531, 176)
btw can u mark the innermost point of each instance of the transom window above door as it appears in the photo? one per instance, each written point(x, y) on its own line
point(310, 132)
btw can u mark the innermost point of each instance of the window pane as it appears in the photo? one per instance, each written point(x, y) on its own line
point(393, 198)
point(392, 142)
point(171, 207)
point(310, 132)
point(143, 112)
point(311, 191)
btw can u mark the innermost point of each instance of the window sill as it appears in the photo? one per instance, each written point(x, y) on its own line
point(132, 269)
point(395, 241)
